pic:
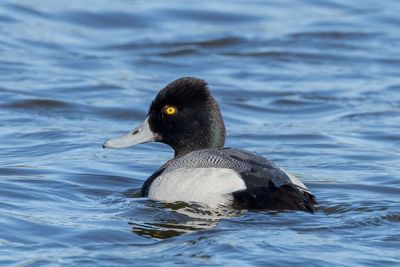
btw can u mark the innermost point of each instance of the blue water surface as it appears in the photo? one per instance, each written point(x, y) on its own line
point(312, 85)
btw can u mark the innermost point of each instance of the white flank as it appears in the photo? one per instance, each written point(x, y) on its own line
point(295, 180)
point(210, 186)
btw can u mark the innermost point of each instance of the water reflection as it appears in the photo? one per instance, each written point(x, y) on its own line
point(174, 219)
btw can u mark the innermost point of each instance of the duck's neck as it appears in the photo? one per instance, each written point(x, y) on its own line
point(209, 136)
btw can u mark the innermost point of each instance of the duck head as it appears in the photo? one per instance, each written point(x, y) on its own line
point(183, 115)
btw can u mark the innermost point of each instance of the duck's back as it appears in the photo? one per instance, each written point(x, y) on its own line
point(228, 177)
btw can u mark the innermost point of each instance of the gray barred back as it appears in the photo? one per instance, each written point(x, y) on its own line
point(261, 169)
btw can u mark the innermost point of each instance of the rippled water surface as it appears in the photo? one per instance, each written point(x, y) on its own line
point(312, 85)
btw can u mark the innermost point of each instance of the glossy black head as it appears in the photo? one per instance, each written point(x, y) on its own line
point(186, 117)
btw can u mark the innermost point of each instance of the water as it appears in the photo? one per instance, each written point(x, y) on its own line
point(312, 85)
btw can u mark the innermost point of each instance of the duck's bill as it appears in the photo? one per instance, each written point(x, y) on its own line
point(139, 135)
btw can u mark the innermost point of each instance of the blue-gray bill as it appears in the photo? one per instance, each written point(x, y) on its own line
point(139, 135)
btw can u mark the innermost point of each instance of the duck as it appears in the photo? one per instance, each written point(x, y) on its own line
point(185, 116)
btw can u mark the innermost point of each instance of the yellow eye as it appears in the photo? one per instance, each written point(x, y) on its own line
point(169, 110)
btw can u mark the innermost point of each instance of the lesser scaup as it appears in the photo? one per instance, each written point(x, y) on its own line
point(186, 117)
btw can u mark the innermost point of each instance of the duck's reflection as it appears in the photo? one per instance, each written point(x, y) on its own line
point(174, 219)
